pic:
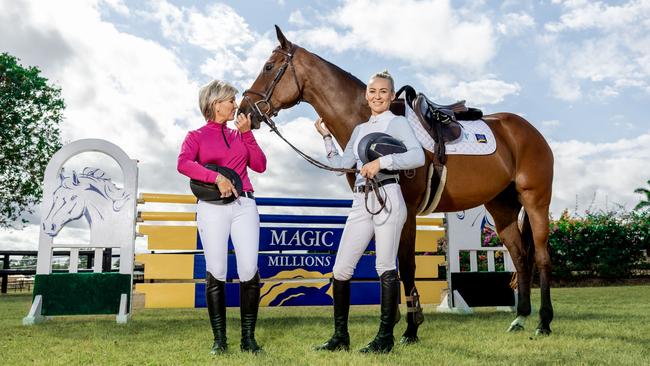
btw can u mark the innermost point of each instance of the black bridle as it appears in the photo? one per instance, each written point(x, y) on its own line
point(264, 110)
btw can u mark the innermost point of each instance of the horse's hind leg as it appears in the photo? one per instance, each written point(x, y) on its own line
point(505, 210)
point(406, 258)
point(536, 203)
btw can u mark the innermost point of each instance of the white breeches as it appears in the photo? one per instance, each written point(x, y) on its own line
point(360, 227)
point(240, 220)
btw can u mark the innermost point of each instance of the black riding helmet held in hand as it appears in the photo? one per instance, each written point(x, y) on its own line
point(210, 192)
point(377, 144)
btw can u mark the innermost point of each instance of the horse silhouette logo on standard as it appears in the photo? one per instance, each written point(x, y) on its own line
point(91, 194)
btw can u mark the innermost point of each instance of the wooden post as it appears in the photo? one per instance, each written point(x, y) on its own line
point(5, 276)
point(107, 259)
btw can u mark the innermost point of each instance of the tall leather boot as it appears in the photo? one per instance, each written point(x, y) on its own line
point(383, 342)
point(249, 300)
point(215, 295)
point(341, 338)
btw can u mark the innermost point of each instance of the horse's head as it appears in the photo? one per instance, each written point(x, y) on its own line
point(67, 204)
point(88, 193)
point(277, 86)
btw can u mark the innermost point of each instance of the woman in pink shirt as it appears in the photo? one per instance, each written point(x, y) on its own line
point(236, 149)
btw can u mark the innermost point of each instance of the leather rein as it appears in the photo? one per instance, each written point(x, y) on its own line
point(267, 111)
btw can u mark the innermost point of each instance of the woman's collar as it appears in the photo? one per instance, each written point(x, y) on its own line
point(214, 124)
point(382, 116)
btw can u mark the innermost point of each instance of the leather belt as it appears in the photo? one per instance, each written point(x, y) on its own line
point(362, 189)
point(221, 202)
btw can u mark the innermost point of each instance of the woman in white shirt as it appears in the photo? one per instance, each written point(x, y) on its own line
point(361, 225)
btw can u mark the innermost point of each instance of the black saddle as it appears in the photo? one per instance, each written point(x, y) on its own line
point(210, 192)
point(456, 111)
point(440, 121)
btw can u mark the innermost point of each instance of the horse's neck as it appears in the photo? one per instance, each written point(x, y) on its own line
point(96, 214)
point(337, 97)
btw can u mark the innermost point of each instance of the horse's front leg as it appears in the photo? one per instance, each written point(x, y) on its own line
point(406, 257)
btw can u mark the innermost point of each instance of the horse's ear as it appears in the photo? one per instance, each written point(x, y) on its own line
point(284, 42)
point(75, 180)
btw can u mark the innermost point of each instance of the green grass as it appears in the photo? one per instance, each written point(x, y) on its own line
point(598, 325)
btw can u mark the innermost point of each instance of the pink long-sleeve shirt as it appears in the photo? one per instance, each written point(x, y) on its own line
point(206, 146)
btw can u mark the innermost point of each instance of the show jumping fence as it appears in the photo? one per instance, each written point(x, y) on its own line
point(297, 252)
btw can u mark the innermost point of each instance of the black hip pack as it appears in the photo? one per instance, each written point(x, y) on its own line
point(210, 192)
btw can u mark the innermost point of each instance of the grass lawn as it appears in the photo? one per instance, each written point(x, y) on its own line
point(592, 326)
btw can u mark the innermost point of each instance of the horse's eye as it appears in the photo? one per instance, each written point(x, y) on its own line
point(268, 67)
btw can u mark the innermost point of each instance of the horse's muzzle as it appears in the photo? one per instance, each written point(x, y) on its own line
point(255, 118)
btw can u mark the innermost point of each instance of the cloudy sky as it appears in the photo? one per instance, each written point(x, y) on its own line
point(130, 71)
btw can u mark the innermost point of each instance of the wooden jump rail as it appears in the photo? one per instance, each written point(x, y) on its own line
point(288, 277)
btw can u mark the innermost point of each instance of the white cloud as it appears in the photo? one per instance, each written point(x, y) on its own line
point(425, 33)
point(600, 175)
point(597, 50)
point(297, 18)
point(584, 14)
point(514, 24)
point(287, 173)
point(241, 68)
point(477, 92)
point(215, 28)
point(125, 89)
point(118, 6)
point(237, 52)
point(140, 94)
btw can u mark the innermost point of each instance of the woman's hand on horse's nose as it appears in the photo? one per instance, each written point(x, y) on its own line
point(320, 127)
point(244, 122)
point(369, 170)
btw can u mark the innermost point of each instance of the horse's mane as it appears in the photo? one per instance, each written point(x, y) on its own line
point(352, 77)
point(103, 185)
point(117, 195)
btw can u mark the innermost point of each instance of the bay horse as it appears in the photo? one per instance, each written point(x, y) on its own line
point(518, 174)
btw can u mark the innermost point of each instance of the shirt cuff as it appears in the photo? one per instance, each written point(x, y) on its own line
point(211, 176)
point(386, 162)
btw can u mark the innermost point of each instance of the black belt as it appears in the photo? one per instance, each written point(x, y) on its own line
point(247, 194)
point(243, 194)
point(362, 189)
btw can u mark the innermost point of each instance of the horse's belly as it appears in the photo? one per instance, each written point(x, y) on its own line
point(473, 181)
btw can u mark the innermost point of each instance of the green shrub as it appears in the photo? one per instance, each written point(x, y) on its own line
point(603, 244)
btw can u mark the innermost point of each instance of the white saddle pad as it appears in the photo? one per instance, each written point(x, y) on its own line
point(476, 137)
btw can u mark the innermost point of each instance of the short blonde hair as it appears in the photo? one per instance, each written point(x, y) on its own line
point(384, 75)
point(214, 91)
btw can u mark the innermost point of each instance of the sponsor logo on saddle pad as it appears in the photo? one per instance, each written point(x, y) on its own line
point(481, 138)
point(476, 138)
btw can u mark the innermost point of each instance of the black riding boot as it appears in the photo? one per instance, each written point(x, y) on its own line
point(249, 301)
point(341, 339)
point(215, 295)
point(383, 342)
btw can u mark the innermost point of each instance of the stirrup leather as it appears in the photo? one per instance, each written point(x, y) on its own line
point(416, 306)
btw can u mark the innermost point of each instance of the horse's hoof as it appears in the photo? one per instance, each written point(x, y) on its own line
point(409, 339)
point(516, 328)
point(542, 332)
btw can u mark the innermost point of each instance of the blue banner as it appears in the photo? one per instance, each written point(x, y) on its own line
point(297, 238)
point(291, 266)
point(297, 294)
